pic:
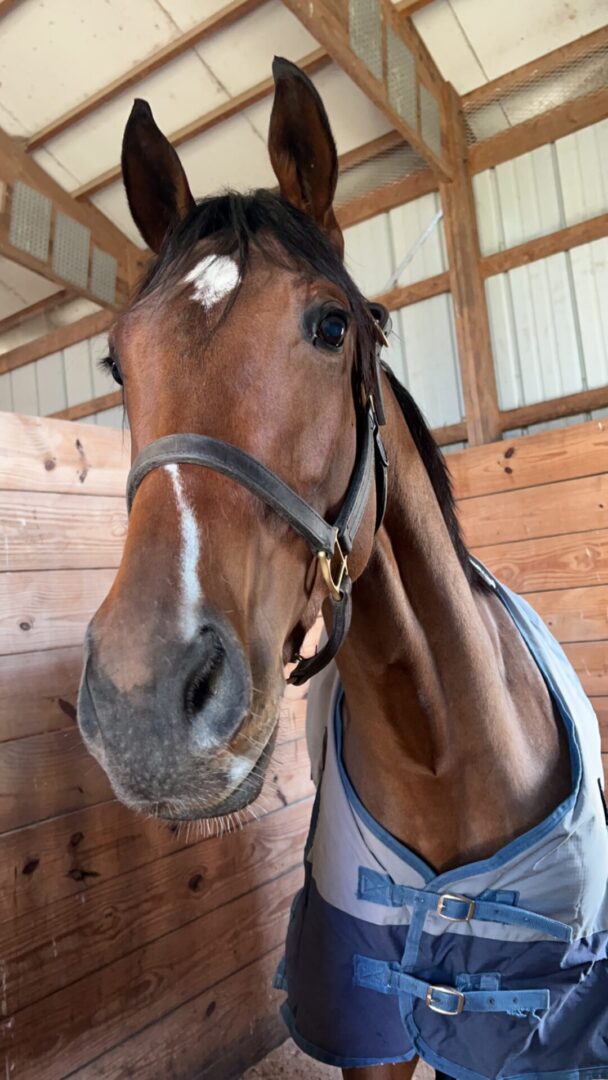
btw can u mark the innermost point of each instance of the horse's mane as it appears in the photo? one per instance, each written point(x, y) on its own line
point(240, 224)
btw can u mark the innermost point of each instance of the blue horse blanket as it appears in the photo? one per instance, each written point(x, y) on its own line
point(497, 970)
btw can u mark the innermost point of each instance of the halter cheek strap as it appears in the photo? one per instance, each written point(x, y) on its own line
point(331, 543)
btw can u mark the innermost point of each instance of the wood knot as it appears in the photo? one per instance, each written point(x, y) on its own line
point(67, 708)
point(78, 874)
point(76, 839)
point(50, 463)
point(30, 866)
point(211, 1007)
point(25, 625)
point(509, 452)
point(196, 882)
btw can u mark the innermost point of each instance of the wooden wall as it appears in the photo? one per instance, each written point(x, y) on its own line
point(535, 510)
point(126, 948)
point(130, 949)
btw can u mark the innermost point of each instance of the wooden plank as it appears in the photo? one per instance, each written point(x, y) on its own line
point(219, 20)
point(552, 562)
point(75, 851)
point(70, 334)
point(50, 609)
point(53, 1037)
point(45, 950)
point(386, 197)
point(574, 614)
point(450, 433)
point(541, 247)
point(555, 408)
point(590, 661)
point(47, 674)
point(48, 531)
point(310, 63)
point(37, 454)
point(53, 773)
point(404, 295)
point(539, 130)
point(549, 456)
point(551, 510)
point(46, 304)
point(331, 32)
point(27, 715)
point(366, 151)
point(46, 775)
point(468, 293)
point(89, 408)
point(236, 1022)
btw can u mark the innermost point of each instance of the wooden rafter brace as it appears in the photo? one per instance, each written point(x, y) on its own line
point(467, 284)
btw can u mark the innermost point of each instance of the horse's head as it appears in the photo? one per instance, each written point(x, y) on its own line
point(247, 329)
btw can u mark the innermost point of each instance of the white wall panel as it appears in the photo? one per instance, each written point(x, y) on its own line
point(590, 278)
point(535, 327)
point(407, 224)
point(25, 391)
point(369, 253)
point(430, 359)
point(6, 393)
point(50, 376)
point(544, 190)
point(78, 379)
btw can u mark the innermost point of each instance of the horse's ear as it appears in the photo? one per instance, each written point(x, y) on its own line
point(155, 182)
point(302, 148)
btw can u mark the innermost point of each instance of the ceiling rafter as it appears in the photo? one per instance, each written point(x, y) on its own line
point(222, 19)
point(60, 338)
point(39, 307)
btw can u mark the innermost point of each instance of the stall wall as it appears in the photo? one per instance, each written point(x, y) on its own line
point(128, 947)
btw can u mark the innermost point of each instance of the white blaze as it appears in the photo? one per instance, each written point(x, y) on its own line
point(189, 558)
point(214, 277)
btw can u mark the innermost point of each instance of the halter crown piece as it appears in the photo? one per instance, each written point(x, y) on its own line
point(330, 543)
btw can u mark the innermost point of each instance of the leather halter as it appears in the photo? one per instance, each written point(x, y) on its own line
point(329, 542)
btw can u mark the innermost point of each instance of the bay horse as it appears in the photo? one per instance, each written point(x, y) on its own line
point(249, 350)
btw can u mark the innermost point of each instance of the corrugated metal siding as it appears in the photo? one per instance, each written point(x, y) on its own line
point(548, 319)
point(423, 348)
point(61, 379)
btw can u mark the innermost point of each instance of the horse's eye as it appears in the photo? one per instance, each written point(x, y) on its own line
point(109, 364)
point(331, 331)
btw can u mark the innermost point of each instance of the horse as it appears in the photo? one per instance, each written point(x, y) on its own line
point(281, 470)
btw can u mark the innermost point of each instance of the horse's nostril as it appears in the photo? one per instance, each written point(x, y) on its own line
point(202, 683)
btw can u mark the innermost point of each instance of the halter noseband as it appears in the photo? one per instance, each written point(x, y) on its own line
point(327, 541)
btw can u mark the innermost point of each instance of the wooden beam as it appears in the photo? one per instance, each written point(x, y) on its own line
point(223, 18)
point(46, 304)
point(310, 63)
point(539, 130)
point(547, 64)
point(8, 5)
point(404, 295)
point(555, 409)
point(467, 286)
point(320, 19)
point(386, 198)
point(540, 247)
point(60, 338)
point(16, 165)
point(360, 154)
point(90, 407)
point(450, 434)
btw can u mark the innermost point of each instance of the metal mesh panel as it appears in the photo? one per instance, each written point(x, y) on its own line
point(430, 120)
point(534, 94)
point(401, 78)
point(365, 32)
point(71, 243)
point(104, 269)
point(30, 224)
point(384, 169)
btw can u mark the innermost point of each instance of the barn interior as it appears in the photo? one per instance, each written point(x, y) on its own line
point(473, 197)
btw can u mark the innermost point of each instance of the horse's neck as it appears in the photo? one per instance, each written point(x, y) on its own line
point(451, 741)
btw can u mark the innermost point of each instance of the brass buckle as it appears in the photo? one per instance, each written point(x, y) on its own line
point(325, 561)
point(441, 903)
point(444, 990)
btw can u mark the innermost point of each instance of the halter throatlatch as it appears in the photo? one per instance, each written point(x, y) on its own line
point(330, 543)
